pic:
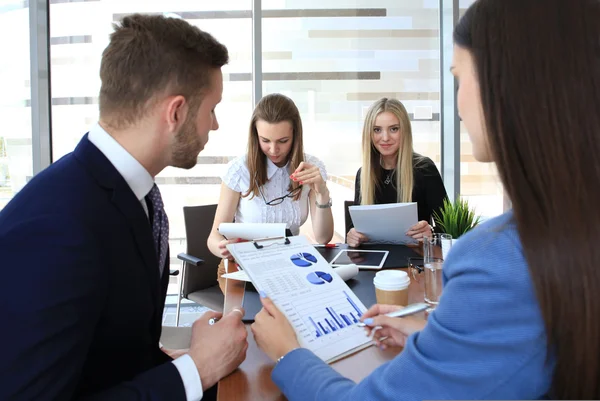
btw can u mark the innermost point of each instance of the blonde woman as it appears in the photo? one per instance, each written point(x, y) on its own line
point(275, 182)
point(392, 172)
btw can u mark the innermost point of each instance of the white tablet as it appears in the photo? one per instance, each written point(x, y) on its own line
point(364, 259)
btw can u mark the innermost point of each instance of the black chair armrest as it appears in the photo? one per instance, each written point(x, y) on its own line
point(192, 260)
point(173, 272)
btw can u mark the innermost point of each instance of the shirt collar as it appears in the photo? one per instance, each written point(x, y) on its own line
point(272, 168)
point(136, 176)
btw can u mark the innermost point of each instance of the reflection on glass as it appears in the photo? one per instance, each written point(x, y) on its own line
point(15, 104)
point(479, 182)
point(335, 58)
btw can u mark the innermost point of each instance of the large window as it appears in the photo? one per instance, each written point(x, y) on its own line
point(79, 33)
point(335, 58)
point(15, 99)
point(479, 182)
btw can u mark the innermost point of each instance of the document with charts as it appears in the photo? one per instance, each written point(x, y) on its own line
point(317, 302)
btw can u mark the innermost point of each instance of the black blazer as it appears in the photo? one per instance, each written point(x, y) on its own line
point(428, 188)
point(81, 300)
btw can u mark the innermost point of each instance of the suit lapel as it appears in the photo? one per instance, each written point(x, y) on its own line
point(125, 200)
point(130, 207)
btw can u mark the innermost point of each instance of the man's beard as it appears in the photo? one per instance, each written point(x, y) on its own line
point(187, 145)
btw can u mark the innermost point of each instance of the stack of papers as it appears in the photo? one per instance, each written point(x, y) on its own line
point(385, 224)
point(250, 231)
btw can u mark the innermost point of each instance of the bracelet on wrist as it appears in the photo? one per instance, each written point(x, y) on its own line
point(283, 356)
point(324, 206)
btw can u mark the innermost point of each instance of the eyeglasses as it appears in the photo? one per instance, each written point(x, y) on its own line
point(278, 201)
point(416, 266)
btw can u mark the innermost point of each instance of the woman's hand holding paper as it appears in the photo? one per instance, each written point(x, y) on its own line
point(419, 230)
point(272, 330)
point(225, 254)
point(354, 238)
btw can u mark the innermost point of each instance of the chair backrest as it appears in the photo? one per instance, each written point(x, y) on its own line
point(347, 218)
point(198, 224)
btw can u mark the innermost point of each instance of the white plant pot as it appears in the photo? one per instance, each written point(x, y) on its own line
point(446, 247)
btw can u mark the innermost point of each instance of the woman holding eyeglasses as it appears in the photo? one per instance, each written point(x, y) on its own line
point(275, 182)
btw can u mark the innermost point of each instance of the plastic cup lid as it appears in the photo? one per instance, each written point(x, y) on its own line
point(392, 278)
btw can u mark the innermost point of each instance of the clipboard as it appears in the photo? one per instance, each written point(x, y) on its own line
point(261, 242)
point(305, 288)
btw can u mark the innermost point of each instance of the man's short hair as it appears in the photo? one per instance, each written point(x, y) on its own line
point(152, 54)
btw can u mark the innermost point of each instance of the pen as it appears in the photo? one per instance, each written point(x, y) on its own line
point(409, 310)
point(213, 320)
point(325, 245)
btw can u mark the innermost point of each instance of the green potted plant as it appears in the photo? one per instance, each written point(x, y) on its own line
point(455, 218)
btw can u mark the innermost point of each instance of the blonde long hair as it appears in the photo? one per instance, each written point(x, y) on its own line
point(371, 158)
point(273, 109)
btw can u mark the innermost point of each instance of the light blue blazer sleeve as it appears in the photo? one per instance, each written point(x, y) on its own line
point(486, 339)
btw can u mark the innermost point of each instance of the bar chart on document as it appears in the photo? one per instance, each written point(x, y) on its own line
point(326, 323)
point(329, 314)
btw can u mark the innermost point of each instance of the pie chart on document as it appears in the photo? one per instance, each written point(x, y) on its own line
point(319, 278)
point(303, 259)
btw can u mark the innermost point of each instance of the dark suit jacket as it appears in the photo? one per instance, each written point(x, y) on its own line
point(81, 299)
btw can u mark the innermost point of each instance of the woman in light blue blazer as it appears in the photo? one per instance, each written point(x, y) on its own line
point(519, 318)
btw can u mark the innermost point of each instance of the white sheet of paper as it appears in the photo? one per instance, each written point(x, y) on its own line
point(385, 224)
point(345, 272)
point(317, 302)
point(250, 231)
point(239, 275)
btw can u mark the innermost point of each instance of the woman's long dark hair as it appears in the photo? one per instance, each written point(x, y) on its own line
point(538, 66)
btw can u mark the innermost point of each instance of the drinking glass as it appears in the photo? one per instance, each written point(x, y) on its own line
point(435, 249)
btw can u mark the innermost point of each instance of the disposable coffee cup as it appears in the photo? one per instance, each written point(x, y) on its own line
point(391, 287)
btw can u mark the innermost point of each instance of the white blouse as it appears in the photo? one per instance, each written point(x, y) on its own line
point(255, 210)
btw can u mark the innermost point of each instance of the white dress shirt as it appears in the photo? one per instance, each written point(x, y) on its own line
point(141, 182)
point(292, 212)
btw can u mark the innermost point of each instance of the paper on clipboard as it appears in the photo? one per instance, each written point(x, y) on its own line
point(319, 305)
point(250, 231)
point(387, 223)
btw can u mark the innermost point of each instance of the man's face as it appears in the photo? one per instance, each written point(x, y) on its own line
point(193, 135)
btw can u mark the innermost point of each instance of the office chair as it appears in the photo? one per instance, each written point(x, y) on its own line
point(198, 280)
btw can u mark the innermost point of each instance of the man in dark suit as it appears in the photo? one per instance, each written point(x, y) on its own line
point(84, 245)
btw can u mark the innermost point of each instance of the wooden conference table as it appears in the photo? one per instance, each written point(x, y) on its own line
point(252, 381)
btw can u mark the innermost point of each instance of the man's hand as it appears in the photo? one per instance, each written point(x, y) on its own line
point(219, 349)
